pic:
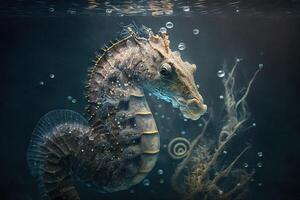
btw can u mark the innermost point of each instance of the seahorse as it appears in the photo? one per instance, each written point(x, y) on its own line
point(119, 144)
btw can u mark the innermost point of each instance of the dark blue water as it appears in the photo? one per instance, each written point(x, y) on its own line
point(44, 59)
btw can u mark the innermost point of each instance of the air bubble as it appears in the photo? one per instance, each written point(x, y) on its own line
point(260, 154)
point(181, 46)
point(196, 31)
point(163, 30)
point(160, 172)
point(225, 152)
point(246, 165)
point(169, 25)
point(182, 132)
point(259, 164)
point(253, 124)
point(52, 76)
point(186, 8)
point(109, 10)
point(51, 10)
point(69, 98)
point(42, 83)
point(146, 182)
point(260, 66)
point(74, 101)
point(221, 97)
point(220, 73)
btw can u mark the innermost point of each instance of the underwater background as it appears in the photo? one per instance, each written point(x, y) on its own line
point(46, 49)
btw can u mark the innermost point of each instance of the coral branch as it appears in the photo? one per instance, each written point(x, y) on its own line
point(202, 170)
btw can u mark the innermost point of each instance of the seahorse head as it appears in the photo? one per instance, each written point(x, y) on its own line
point(170, 78)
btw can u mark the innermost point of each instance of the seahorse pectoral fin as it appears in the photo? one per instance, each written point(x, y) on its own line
point(51, 143)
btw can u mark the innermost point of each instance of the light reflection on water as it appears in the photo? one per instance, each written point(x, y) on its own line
point(152, 8)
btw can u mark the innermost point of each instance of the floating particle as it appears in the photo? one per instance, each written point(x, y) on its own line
point(182, 132)
point(221, 97)
point(259, 164)
point(200, 125)
point(146, 182)
point(253, 124)
point(69, 98)
point(109, 10)
point(198, 86)
point(260, 66)
point(161, 181)
point(160, 172)
point(42, 83)
point(131, 191)
point(163, 116)
point(169, 25)
point(71, 11)
point(74, 100)
point(220, 192)
point(52, 76)
point(260, 154)
point(259, 184)
point(220, 73)
point(181, 46)
point(246, 165)
point(163, 30)
point(225, 152)
point(185, 119)
point(186, 8)
point(51, 9)
point(82, 150)
point(196, 31)
point(237, 10)
point(165, 146)
point(238, 184)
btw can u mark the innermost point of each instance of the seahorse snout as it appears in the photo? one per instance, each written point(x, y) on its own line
point(193, 109)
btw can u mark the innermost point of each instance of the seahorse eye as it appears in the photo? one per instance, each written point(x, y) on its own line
point(165, 69)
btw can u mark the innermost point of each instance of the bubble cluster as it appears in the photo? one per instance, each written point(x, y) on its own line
point(220, 73)
point(181, 46)
point(169, 25)
point(178, 147)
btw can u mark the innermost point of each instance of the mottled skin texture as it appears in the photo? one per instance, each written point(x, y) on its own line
point(120, 145)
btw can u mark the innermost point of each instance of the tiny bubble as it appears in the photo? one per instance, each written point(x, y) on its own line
point(69, 98)
point(260, 66)
point(181, 46)
point(185, 119)
point(259, 184)
point(225, 152)
point(186, 8)
point(163, 30)
point(131, 191)
point(196, 31)
point(182, 132)
point(259, 164)
point(109, 10)
point(198, 86)
point(74, 100)
point(146, 182)
point(160, 172)
point(52, 76)
point(161, 181)
point(221, 97)
point(245, 165)
point(220, 73)
point(42, 83)
point(254, 124)
point(51, 9)
point(169, 25)
point(259, 154)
